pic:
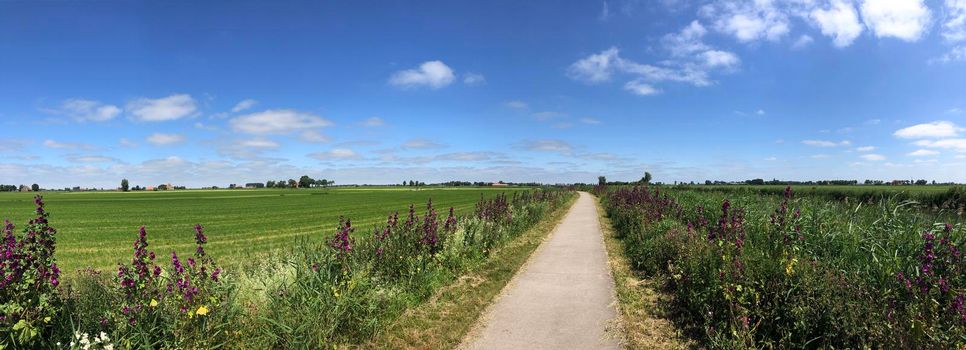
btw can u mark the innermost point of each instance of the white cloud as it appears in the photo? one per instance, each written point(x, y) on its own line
point(692, 61)
point(547, 115)
point(277, 121)
point(91, 159)
point(866, 149)
point(595, 68)
point(336, 154)
point(748, 21)
point(958, 145)
point(824, 143)
point(518, 105)
point(554, 146)
point(162, 109)
point(591, 121)
point(903, 19)
point(938, 129)
point(434, 74)
point(89, 110)
point(638, 87)
point(717, 58)
point(421, 144)
point(839, 21)
point(474, 79)
point(873, 157)
point(66, 145)
point(258, 143)
point(244, 105)
point(954, 29)
point(802, 42)
point(955, 54)
point(819, 156)
point(873, 121)
point(923, 153)
point(687, 41)
point(760, 112)
point(314, 136)
point(373, 122)
point(127, 143)
point(161, 139)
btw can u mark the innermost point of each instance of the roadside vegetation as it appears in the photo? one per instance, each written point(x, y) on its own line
point(745, 269)
point(343, 289)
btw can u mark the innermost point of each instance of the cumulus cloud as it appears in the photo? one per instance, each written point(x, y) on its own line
point(938, 129)
point(838, 21)
point(591, 121)
point(866, 149)
point(638, 87)
point(923, 153)
point(691, 61)
point(958, 145)
point(474, 79)
point(244, 105)
point(91, 159)
point(421, 144)
point(313, 136)
point(162, 109)
point(161, 139)
point(873, 157)
point(824, 143)
point(336, 154)
point(553, 146)
point(518, 105)
point(595, 68)
point(907, 20)
point(802, 42)
point(68, 145)
point(433, 74)
point(748, 21)
point(955, 54)
point(373, 122)
point(258, 143)
point(89, 110)
point(954, 29)
point(277, 121)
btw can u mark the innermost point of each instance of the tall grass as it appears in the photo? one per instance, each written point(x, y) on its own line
point(750, 270)
point(312, 295)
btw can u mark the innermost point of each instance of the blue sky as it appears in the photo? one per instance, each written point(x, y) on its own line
point(211, 93)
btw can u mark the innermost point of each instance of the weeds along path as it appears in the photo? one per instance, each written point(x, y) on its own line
point(562, 299)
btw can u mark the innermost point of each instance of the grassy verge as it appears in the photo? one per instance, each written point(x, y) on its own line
point(444, 320)
point(643, 322)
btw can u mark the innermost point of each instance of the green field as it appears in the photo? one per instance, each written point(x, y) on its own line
point(97, 229)
point(852, 188)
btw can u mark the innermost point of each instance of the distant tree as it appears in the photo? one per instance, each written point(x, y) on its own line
point(601, 180)
point(306, 181)
point(292, 183)
point(412, 183)
point(124, 185)
point(918, 182)
point(35, 187)
point(647, 178)
point(270, 184)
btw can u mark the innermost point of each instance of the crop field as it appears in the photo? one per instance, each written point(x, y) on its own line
point(96, 229)
point(760, 270)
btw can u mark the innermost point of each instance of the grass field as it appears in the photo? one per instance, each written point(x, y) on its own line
point(97, 229)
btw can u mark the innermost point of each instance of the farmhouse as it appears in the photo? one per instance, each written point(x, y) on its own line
point(24, 188)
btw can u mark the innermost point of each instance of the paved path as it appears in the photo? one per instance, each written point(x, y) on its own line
point(562, 299)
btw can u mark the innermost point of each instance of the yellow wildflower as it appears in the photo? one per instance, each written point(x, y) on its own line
point(203, 310)
point(154, 303)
